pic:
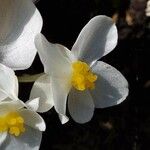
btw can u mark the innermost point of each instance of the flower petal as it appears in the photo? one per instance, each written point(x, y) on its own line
point(42, 89)
point(111, 87)
point(33, 119)
point(29, 140)
point(8, 83)
point(20, 21)
point(55, 58)
point(3, 136)
point(147, 10)
point(60, 90)
point(33, 104)
point(10, 106)
point(96, 39)
point(80, 105)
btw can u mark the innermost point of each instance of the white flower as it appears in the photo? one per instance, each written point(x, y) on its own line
point(20, 22)
point(147, 10)
point(20, 126)
point(78, 75)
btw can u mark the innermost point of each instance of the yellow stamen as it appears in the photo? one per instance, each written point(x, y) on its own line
point(13, 123)
point(82, 77)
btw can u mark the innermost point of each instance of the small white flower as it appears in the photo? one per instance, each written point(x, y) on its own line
point(20, 21)
point(20, 126)
point(78, 75)
point(147, 10)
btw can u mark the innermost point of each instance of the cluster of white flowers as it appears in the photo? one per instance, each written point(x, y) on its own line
point(76, 75)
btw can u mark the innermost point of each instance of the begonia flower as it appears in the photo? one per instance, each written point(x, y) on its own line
point(20, 126)
point(78, 75)
point(147, 10)
point(20, 22)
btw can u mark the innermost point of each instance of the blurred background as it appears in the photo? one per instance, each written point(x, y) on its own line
point(122, 127)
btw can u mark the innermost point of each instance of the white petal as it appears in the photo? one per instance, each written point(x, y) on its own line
point(60, 90)
point(33, 119)
point(33, 104)
point(29, 140)
point(80, 105)
point(16, 87)
point(10, 106)
point(3, 136)
point(20, 22)
point(55, 58)
point(147, 14)
point(111, 86)
point(96, 39)
point(42, 89)
point(148, 4)
point(8, 83)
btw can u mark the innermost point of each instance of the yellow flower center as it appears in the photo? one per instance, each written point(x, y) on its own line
point(13, 123)
point(82, 77)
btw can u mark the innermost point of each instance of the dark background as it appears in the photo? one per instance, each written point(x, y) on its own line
point(122, 127)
